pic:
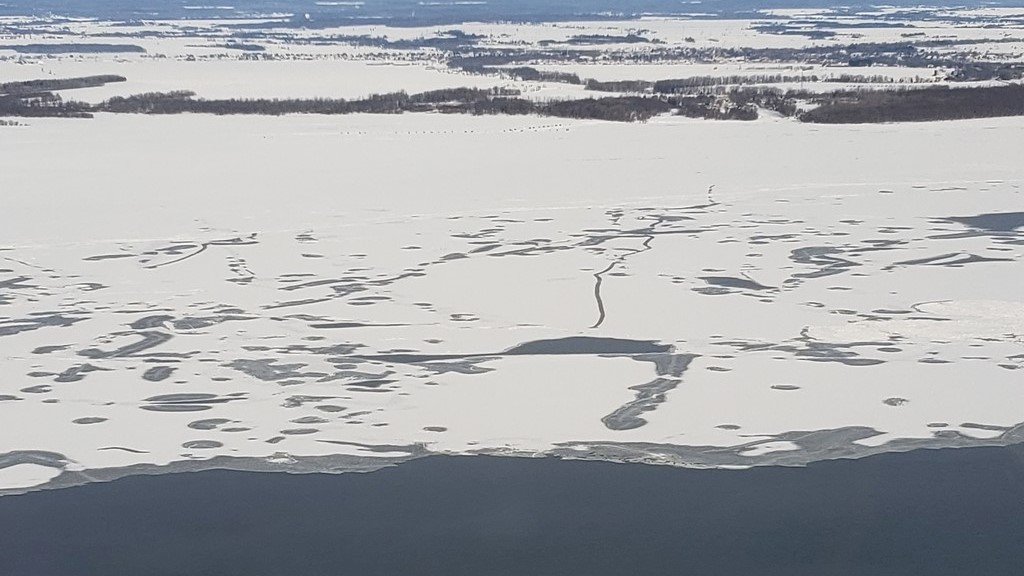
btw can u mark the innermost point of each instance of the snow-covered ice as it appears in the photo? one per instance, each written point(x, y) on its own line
point(378, 287)
point(342, 293)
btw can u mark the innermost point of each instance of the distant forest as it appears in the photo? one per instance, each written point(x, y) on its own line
point(75, 48)
point(700, 83)
point(31, 99)
point(451, 101)
point(859, 56)
point(937, 103)
point(28, 87)
point(38, 98)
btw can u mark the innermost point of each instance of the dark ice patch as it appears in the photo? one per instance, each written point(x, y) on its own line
point(50, 349)
point(150, 322)
point(298, 400)
point(372, 383)
point(106, 257)
point(77, 373)
point(823, 258)
point(309, 420)
point(992, 222)
point(176, 407)
point(573, 345)
point(158, 373)
point(208, 424)
point(150, 339)
point(187, 397)
point(733, 282)
point(186, 402)
point(267, 369)
point(202, 444)
point(200, 322)
point(587, 345)
point(37, 321)
point(987, 427)
point(89, 420)
point(953, 260)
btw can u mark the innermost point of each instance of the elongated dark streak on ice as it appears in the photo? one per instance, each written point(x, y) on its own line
point(131, 450)
point(22, 262)
point(599, 278)
point(648, 238)
point(251, 239)
point(711, 203)
point(202, 248)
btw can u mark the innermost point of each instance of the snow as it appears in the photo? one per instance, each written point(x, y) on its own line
point(26, 475)
point(814, 278)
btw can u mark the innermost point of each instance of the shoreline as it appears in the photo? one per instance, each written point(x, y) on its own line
point(927, 511)
point(812, 447)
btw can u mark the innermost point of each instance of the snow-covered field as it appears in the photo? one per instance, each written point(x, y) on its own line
point(341, 293)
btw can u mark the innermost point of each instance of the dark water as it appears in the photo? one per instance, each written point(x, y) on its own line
point(934, 512)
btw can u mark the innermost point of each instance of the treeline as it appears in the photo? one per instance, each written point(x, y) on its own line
point(42, 105)
point(637, 86)
point(75, 48)
point(27, 99)
point(526, 73)
point(701, 83)
point(864, 79)
point(36, 98)
point(686, 85)
point(243, 46)
point(179, 102)
point(975, 71)
point(482, 61)
point(453, 101)
point(913, 54)
point(622, 109)
point(596, 39)
point(29, 87)
point(738, 103)
point(530, 74)
point(895, 53)
point(448, 41)
point(784, 103)
point(938, 103)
